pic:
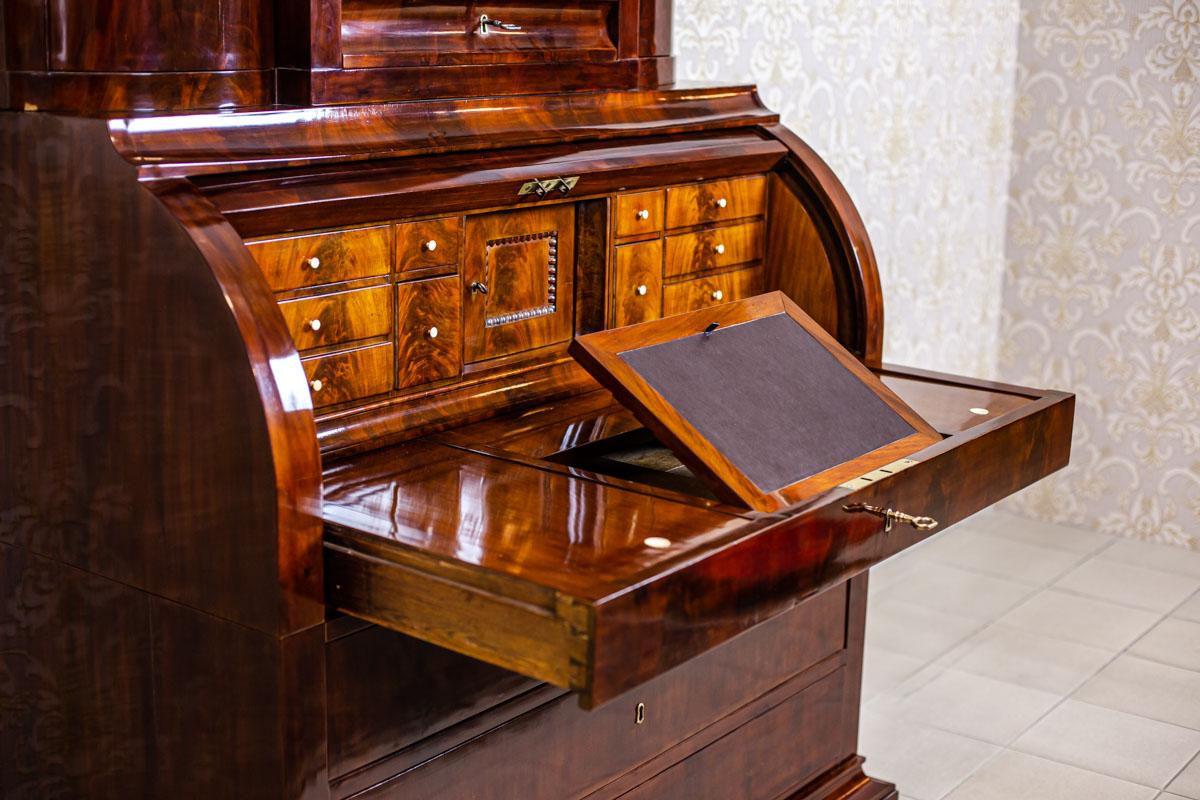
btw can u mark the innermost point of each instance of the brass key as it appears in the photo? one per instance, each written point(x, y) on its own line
point(891, 516)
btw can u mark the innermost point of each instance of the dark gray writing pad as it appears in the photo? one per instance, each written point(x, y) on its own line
point(771, 398)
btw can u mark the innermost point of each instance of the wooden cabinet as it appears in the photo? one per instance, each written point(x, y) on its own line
point(636, 291)
point(518, 281)
point(294, 262)
point(428, 333)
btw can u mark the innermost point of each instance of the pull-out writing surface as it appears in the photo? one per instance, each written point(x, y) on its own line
point(756, 399)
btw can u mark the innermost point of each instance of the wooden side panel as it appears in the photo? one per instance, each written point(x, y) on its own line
point(24, 32)
point(797, 263)
point(160, 35)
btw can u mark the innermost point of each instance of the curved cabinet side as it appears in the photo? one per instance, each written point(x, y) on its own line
point(847, 246)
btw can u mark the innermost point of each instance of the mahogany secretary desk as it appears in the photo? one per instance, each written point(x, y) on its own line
point(303, 492)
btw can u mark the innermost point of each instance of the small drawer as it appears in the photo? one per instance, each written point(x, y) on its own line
point(715, 201)
point(429, 332)
point(338, 318)
point(295, 262)
point(713, 248)
point(637, 283)
point(343, 377)
point(428, 243)
point(639, 213)
point(711, 290)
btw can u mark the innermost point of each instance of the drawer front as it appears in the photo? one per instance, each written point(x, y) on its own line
point(494, 766)
point(428, 332)
point(770, 756)
point(343, 377)
point(637, 283)
point(518, 278)
point(299, 261)
point(716, 201)
point(428, 243)
point(639, 213)
point(339, 318)
point(711, 290)
point(713, 248)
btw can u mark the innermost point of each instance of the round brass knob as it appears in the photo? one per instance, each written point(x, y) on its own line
point(433, 332)
point(431, 245)
point(644, 214)
point(314, 324)
point(722, 202)
point(641, 290)
point(316, 385)
point(313, 263)
point(720, 249)
point(718, 295)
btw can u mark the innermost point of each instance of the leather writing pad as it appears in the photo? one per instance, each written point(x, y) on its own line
point(778, 420)
point(766, 408)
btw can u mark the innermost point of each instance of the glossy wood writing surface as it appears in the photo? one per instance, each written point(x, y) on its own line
point(699, 423)
point(954, 409)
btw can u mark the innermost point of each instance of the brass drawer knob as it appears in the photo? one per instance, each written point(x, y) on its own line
point(313, 263)
point(718, 295)
point(641, 290)
point(891, 516)
point(644, 214)
point(314, 324)
point(316, 384)
point(431, 245)
point(722, 202)
point(720, 249)
point(433, 332)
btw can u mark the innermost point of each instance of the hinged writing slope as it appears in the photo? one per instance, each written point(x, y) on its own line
point(756, 398)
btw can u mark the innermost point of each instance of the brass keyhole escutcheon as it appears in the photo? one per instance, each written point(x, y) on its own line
point(478, 288)
point(639, 714)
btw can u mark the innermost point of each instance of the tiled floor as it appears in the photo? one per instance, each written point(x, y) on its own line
point(1017, 660)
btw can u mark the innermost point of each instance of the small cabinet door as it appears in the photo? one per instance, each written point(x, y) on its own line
point(518, 281)
point(637, 283)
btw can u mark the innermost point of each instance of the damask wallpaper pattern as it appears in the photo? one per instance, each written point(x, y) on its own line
point(1088, 277)
point(1102, 290)
point(911, 104)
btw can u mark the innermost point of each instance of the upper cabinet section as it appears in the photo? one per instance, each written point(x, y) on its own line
point(159, 55)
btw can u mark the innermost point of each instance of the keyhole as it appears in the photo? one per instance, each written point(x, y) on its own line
point(639, 715)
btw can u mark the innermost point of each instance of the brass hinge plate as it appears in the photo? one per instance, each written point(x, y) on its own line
point(876, 475)
point(544, 187)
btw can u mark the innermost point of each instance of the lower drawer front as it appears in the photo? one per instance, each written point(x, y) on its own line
point(767, 758)
point(580, 751)
point(711, 290)
point(343, 377)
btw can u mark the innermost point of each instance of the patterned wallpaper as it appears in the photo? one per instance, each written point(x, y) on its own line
point(911, 104)
point(1102, 290)
point(1088, 278)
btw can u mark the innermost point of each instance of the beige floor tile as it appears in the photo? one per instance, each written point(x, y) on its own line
point(1111, 742)
point(1005, 558)
point(1187, 783)
point(1029, 659)
point(888, 573)
point(1129, 585)
point(1190, 609)
point(1085, 620)
point(1016, 776)
point(971, 705)
point(1173, 641)
point(1146, 688)
point(1169, 796)
point(922, 761)
point(916, 631)
point(884, 671)
point(1043, 534)
point(1163, 557)
point(957, 591)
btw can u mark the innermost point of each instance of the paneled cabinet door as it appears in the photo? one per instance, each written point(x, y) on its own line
point(518, 281)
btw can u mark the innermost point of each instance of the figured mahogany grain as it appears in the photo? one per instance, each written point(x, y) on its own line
point(637, 283)
point(712, 290)
point(639, 213)
point(288, 262)
point(712, 248)
point(797, 262)
point(428, 243)
point(428, 331)
point(352, 375)
point(338, 318)
point(701, 203)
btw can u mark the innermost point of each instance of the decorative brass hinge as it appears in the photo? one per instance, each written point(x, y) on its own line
point(544, 186)
point(876, 475)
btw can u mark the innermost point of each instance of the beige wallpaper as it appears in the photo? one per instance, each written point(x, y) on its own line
point(1102, 291)
point(911, 103)
point(1088, 278)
